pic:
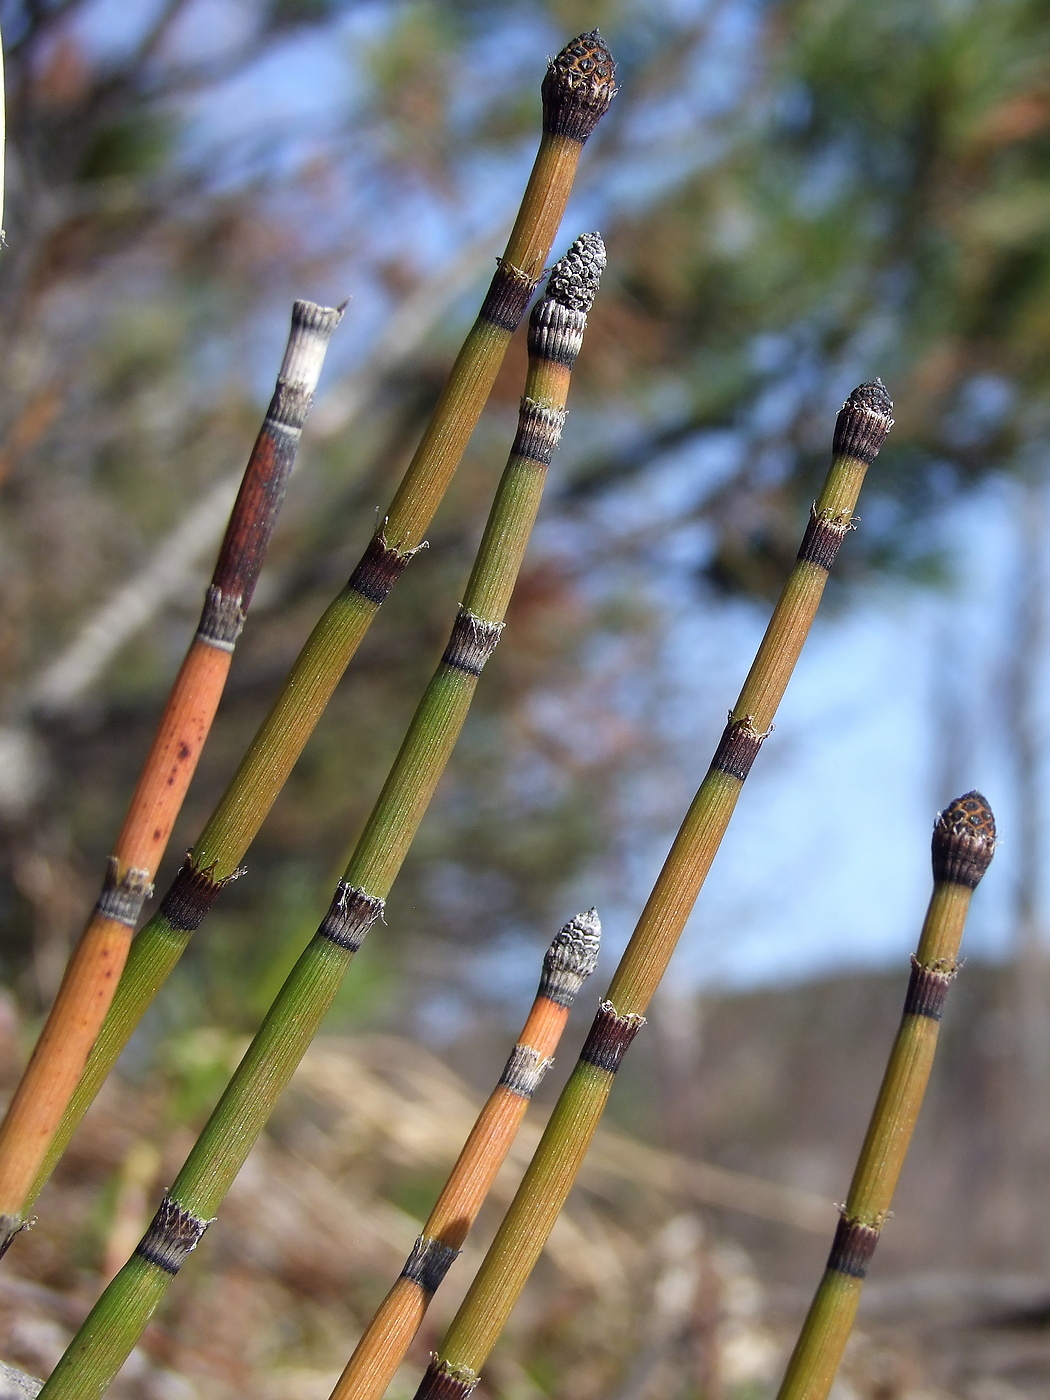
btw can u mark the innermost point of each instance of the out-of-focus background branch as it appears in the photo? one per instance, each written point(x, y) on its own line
point(796, 195)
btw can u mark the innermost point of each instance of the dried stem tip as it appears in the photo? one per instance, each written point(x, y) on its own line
point(964, 841)
point(580, 84)
point(864, 422)
point(571, 958)
point(574, 278)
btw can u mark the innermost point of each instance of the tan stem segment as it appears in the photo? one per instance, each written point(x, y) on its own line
point(576, 92)
point(860, 430)
point(963, 844)
point(381, 1349)
point(91, 978)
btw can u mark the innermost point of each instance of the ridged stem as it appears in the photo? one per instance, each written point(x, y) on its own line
point(861, 428)
point(576, 92)
point(117, 1320)
point(963, 844)
point(91, 978)
point(381, 1349)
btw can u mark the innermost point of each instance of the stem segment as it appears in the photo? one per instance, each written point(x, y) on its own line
point(570, 959)
point(94, 969)
point(116, 1322)
point(576, 93)
point(860, 430)
point(963, 845)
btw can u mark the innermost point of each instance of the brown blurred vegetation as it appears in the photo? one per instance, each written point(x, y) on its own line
point(795, 195)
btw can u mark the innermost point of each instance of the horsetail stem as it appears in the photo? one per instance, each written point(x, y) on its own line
point(860, 431)
point(114, 1325)
point(963, 846)
point(91, 978)
point(576, 93)
point(569, 960)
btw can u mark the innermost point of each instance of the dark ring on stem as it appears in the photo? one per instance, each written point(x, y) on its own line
point(737, 749)
point(472, 642)
point(927, 991)
point(539, 431)
point(442, 1382)
point(289, 407)
point(852, 1248)
point(122, 900)
point(822, 540)
point(609, 1037)
point(556, 332)
point(174, 1233)
point(350, 915)
point(523, 1071)
point(222, 619)
point(429, 1262)
point(508, 296)
point(380, 568)
point(191, 894)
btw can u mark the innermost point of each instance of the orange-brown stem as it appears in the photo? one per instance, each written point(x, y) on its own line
point(385, 1341)
point(91, 978)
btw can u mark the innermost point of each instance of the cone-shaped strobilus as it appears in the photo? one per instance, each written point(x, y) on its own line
point(963, 846)
point(576, 92)
point(115, 1323)
point(860, 431)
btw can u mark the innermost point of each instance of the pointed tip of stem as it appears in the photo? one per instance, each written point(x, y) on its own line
point(864, 422)
point(579, 86)
point(574, 278)
point(572, 957)
point(964, 841)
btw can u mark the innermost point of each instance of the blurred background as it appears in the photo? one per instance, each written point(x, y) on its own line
point(796, 195)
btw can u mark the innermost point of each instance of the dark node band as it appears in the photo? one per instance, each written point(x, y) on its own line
point(441, 1382)
point(289, 407)
point(964, 841)
point(221, 620)
point(539, 431)
point(927, 991)
point(523, 1071)
point(609, 1037)
point(472, 642)
point(822, 540)
point(429, 1262)
point(580, 84)
point(556, 333)
point(379, 569)
point(863, 423)
point(508, 296)
point(737, 749)
point(571, 958)
point(852, 1248)
point(173, 1234)
point(122, 900)
point(191, 895)
point(350, 915)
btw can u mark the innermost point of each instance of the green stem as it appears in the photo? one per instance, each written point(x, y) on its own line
point(576, 93)
point(860, 431)
point(117, 1320)
point(963, 845)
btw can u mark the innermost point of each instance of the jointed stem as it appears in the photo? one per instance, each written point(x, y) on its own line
point(95, 967)
point(860, 430)
point(570, 958)
point(963, 845)
point(576, 92)
point(117, 1320)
